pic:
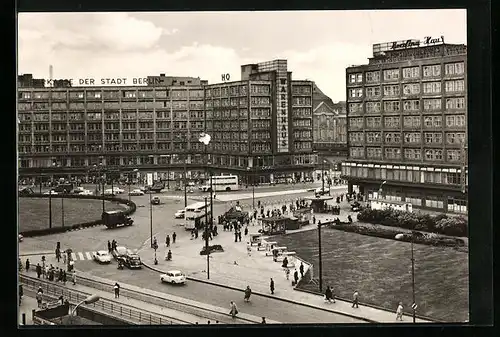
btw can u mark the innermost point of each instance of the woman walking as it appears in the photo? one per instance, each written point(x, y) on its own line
point(234, 310)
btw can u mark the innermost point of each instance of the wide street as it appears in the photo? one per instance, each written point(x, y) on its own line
point(85, 241)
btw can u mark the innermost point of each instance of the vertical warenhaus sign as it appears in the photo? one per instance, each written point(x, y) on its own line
point(282, 111)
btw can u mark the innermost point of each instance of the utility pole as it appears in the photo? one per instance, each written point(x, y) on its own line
point(414, 304)
point(320, 260)
point(50, 208)
point(185, 185)
point(151, 218)
point(207, 251)
point(62, 210)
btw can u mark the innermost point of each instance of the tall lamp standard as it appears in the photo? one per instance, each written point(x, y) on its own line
point(151, 218)
point(320, 259)
point(205, 139)
point(89, 300)
point(414, 304)
point(185, 184)
point(380, 189)
point(130, 183)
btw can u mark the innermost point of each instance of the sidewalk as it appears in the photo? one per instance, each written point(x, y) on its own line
point(235, 269)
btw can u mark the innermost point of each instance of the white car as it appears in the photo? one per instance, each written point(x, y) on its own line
point(322, 191)
point(51, 192)
point(118, 190)
point(204, 188)
point(102, 256)
point(173, 277)
point(180, 214)
point(191, 183)
point(136, 192)
point(86, 192)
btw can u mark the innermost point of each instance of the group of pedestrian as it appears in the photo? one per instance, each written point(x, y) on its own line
point(112, 245)
point(167, 239)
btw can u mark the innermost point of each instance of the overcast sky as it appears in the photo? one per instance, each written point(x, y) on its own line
point(319, 45)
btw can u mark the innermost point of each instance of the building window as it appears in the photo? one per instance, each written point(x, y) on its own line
point(392, 138)
point(392, 122)
point(434, 154)
point(432, 70)
point(373, 77)
point(356, 93)
point(391, 74)
point(373, 107)
point(356, 137)
point(434, 202)
point(454, 68)
point(453, 155)
point(356, 107)
point(457, 205)
point(373, 122)
point(455, 121)
point(454, 86)
point(391, 90)
point(455, 103)
point(411, 89)
point(411, 105)
point(357, 152)
point(452, 178)
point(433, 137)
point(433, 121)
point(391, 106)
point(455, 138)
point(392, 153)
point(432, 87)
point(413, 138)
point(414, 201)
point(413, 154)
point(373, 152)
point(432, 104)
point(412, 72)
point(372, 92)
point(355, 123)
point(373, 137)
point(356, 78)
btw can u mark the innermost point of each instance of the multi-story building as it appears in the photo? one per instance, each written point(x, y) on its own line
point(407, 124)
point(260, 126)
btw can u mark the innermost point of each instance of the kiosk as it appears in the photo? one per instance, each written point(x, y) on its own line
point(274, 225)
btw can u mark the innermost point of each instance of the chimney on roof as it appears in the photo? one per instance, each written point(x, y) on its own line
point(162, 75)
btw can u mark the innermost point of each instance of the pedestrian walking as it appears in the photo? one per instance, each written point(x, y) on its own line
point(314, 219)
point(329, 295)
point(64, 277)
point(58, 255)
point(174, 236)
point(287, 273)
point(271, 286)
point(246, 231)
point(27, 264)
point(234, 310)
point(301, 268)
point(73, 277)
point(399, 312)
point(296, 276)
point(109, 246)
point(263, 320)
point(167, 241)
point(64, 259)
point(117, 290)
point(239, 235)
point(355, 299)
point(38, 270)
point(39, 297)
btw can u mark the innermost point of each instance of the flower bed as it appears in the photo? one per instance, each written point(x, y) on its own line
point(441, 224)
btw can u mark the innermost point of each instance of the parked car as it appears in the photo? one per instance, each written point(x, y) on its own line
point(173, 277)
point(191, 183)
point(321, 191)
point(86, 192)
point(51, 192)
point(109, 191)
point(129, 258)
point(101, 256)
point(155, 201)
point(180, 214)
point(204, 188)
point(136, 192)
point(117, 190)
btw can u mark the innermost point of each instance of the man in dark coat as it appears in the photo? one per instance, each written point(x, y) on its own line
point(301, 268)
point(271, 286)
point(174, 236)
point(296, 276)
point(38, 270)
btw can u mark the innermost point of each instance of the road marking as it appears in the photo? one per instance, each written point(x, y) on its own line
point(73, 256)
point(80, 255)
point(89, 257)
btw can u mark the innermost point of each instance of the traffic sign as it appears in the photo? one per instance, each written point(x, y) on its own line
point(414, 306)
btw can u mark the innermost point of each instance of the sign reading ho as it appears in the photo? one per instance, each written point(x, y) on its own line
point(225, 77)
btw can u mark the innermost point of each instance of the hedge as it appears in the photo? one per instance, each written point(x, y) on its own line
point(441, 224)
point(54, 230)
point(385, 233)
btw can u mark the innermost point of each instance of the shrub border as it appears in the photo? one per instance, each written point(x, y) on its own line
point(47, 231)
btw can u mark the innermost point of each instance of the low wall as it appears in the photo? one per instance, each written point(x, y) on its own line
point(100, 317)
point(131, 208)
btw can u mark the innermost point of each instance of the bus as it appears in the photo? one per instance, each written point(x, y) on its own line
point(196, 215)
point(222, 183)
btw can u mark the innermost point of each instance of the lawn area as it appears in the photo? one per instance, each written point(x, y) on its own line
point(34, 212)
point(380, 269)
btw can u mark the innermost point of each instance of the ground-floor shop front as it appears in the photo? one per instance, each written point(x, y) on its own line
point(421, 197)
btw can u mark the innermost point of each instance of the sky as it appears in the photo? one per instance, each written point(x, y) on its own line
point(318, 45)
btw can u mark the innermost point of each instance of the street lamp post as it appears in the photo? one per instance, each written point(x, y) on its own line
point(62, 209)
point(206, 240)
point(130, 183)
point(320, 260)
point(50, 208)
point(185, 184)
point(205, 139)
point(414, 305)
point(380, 189)
point(89, 300)
point(168, 173)
point(323, 176)
point(151, 218)
point(40, 184)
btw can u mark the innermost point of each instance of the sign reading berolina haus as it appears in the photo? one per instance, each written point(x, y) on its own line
point(407, 44)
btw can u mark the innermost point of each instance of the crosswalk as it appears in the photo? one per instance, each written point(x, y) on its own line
point(82, 256)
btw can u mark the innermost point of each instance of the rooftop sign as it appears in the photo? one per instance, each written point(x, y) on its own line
point(380, 48)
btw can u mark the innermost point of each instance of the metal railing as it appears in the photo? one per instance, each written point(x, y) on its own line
point(211, 315)
point(104, 305)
